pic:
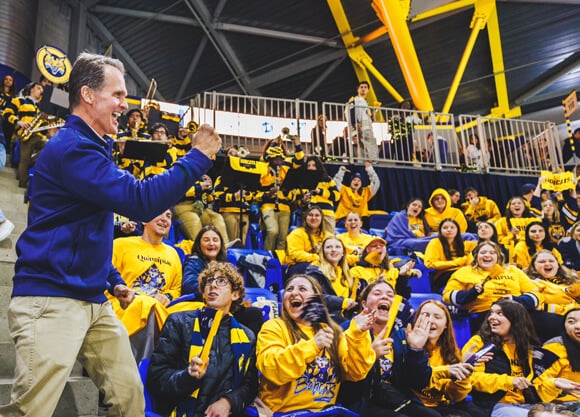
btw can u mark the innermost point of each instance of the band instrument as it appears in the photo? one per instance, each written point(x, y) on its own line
point(55, 124)
point(25, 134)
point(242, 151)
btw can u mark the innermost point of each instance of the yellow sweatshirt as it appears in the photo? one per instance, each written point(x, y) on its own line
point(484, 209)
point(505, 235)
point(434, 217)
point(490, 383)
point(299, 376)
point(147, 268)
point(544, 383)
point(435, 256)
point(417, 226)
point(498, 282)
point(556, 297)
point(354, 245)
point(299, 246)
point(351, 201)
point(370, 274)
point(442, 390)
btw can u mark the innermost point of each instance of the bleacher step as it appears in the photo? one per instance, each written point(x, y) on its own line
point(8, 360)
point(79, 398)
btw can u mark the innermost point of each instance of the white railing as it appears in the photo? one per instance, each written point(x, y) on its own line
point(510, 146)
point(403, 137)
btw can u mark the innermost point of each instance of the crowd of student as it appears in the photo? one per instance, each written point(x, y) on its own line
point(512, 273)
point(347, 333)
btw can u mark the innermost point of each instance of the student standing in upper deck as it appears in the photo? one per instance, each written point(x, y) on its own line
point(364, 123)
point(58, 311)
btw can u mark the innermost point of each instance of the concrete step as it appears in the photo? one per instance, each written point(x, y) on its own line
point(6, 273)
point(79, 398)
point(8, 361)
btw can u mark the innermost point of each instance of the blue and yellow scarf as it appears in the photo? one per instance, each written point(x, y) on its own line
point(205, 324)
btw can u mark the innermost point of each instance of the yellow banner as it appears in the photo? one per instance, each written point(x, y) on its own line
point(558, 181)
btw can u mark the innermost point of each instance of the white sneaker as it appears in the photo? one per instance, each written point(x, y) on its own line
point(6, 227)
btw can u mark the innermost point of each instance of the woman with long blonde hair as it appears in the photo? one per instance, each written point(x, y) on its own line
point(333, 274)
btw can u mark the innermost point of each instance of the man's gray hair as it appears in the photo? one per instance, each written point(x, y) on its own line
point(89, 70)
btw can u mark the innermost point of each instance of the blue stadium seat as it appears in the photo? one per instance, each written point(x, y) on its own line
point(264, 299)
point(380, 221)
point(254, 237)
point(378, 232)
point(149, 403)
point(462, 330)
point(418, 285)
point(418, 298)
point(175, 234)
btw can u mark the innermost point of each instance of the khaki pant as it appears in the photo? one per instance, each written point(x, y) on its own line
point(192, 222)
point(329, 224)
point(277, 224)
point(232, 221)
point(49, 334)
point(32, 146)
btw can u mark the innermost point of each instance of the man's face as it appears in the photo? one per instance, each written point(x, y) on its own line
point(36, 92)
point(108, 103)
point(439, 202)
point(362, 90)
point(159, 134)
point(471, 195)
point(182, 132)
point(160, 225)
point(135, 119)
point(219, 296)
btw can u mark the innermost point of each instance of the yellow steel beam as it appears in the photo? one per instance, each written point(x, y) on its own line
point(483, 9)
point(342, 23)
point(393, 17)
point(375, 34)
point(368, 64)
point(503, 106)
point(446, 8)
point(462, 65)
point(361, 60)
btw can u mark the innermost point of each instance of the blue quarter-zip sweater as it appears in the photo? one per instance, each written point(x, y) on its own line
point(66, 249)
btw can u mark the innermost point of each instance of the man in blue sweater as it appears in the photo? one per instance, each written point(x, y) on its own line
point(58, 311)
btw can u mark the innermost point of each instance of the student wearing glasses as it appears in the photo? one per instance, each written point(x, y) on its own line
point(204, 363)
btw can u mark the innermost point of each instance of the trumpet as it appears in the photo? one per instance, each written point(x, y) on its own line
point(295, 139)
point(243, 152)
point(286, 134)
